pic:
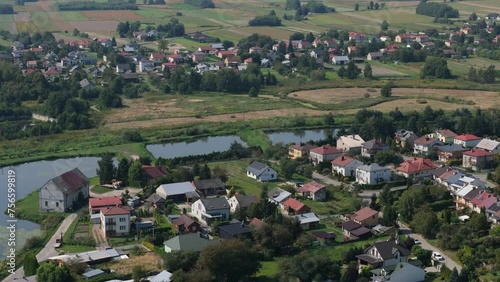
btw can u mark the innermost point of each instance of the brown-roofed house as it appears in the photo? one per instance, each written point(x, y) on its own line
point(96, 204)
point(59, 193)
point(185, 224)
point(372, 147)
point(156, 201)
point(153, 173)
point(425, 145)
point(256, 223)
point(345, 165)
point(210, 187)
point(293, 206)
point(366, 216)
point(313, 190)
point(325, 153)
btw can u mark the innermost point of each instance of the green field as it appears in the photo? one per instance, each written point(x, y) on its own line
point(72, 16)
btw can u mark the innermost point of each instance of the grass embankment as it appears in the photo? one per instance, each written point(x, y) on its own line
point(256, 138)
point(98, 189)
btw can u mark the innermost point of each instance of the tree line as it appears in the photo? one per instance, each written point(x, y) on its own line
point(87, 6)
point(437, 10)
point(201, 3)
point(267, 20)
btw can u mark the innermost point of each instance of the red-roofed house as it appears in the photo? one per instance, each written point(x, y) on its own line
point(185, 224)
point(351, 49)
point(175, 58)
point(425, 144)
point(483, 200)
point(293, 206)
point(359, 37)
point(477, 159)
point(255, 49)
point(416, 168)
point(366, 216)
point(51, 72)
point(313, 190)
point(304, 44)
point(59, 193)
point(467, 140)
point(198, 57)
point(96, 204)
point(31, 64)
point(325, 153)
point(345, 166)
point(115, 221)
point(152, 173)
point(169, 65)
point(156, 57)
point(256, 223)
point(205, 49)
point(225, 54)
point(232, 61)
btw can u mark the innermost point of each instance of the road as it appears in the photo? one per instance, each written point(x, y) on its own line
point(425, 245)
point(326, 179)
point(47, 251)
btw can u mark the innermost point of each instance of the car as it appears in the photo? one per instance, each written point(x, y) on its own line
point(437, 256)
point(417, 242)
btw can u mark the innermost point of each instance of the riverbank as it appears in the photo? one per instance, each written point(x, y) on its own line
point(94, 142)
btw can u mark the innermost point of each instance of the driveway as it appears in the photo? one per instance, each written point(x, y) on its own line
point(325, 179)
point(482, 176)
point(132, 192)
point(425, 245)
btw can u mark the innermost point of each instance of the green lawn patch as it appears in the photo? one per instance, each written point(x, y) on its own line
point(71, 230)
point(256, 137)
point(76, 248)
point(268, 271)
point(94, 180)
point(121, 241)
point(98, 189)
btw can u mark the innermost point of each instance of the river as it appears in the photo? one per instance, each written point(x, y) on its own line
point(296, 136)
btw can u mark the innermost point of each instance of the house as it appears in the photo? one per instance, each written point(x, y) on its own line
point(156, 201)
point(51, 72)
point(218, 46)
point(401, 272)
point(385, 253)
point(175, 58)
point(467, 140)
point(299, 150)
point(16, 46)
point(444, 135)
point(209, 187)
point(96, 204)
point(459, 181)
point(350, 143)
point(85, 84)
point(115, 221)
point(130, 77)
point(370, 148)
point(374, 56)
point(489, 145)
point(345, 166)
point(307, 221)
point(351, 49)
point(416, 168)
point(405, 38)
point(256, 223)
point(340, 60)
point(146, 66)
point(460, 195)
point(163, 276)
point(325, 153)
point(303, 44)
point(467, 199)
point(169, 65)
point(205, 49)
point(278, 195)
point(483, 200)
point(198, 57)
point(59, 193)
point(154, 173)
point(477, 159)
point(293, 206)
point(355, 230)
point(177, 191)
point(157, 57)
point(86, 60)
point(225, 54)
point(493, 212)
point(405, 138)
point(425, 145)
point(185, 224)
point(193, 242)
point(31, 64)
point(255, 49)
point(122, 68)
point(235, 230)
point(232, 61)
point(450, 152)
point(314, 191)
point(261, 172)
point(210, 209)
point(325, 238)
point(90, 258)
point(241, 202)
point(330, 43)
point(366, 216)
point(316, 53)
point(448, 53)
point(358, 37)
point(372, 174)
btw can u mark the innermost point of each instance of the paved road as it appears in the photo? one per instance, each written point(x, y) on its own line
point(482, 176)
point(425, 245)
point(47, 251)
point(326, 179)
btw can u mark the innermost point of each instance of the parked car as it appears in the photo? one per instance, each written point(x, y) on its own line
point(417, 242)
point(437, 256)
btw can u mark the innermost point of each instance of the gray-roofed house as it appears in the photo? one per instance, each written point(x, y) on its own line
point(241, 202)
point(307, 221)
point(92, 273)
point(404, 138)
point(210, 187)
point(373, 174)
point(177, 191)
point(384, 253)
point(278, 195)
point(85, 84)
point(450, 152)
point(188, 242)
point(234, 230)
point(156, 201)
point(340, 60)
point(401, 272)
point(210, 209)
point(371, 147)
point(163, 276)
point(489, 145)
point(60, 192)
point(261, 172)
point(374, 56)
point(122, 68)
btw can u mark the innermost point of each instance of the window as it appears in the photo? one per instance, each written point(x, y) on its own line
point(123, 219)
point(123, 227)
point(46, 203)
point(57, 204)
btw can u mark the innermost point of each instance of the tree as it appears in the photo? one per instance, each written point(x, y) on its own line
point(409, 202)
point(478, 222)
point(342, 72)
point(356, 7)
point(216, 258)
point(367, 71)
point(205, 172)
point(106, 170)
point(351, 273)
point(308, 266)
point(385, 197)
point(220, 173)
point(162, 45)
point(390, 216)
point(386, 90)
point(288, 167)
point(385, 25)
point(30, 264)
point(377, 5)
point(473, 16)
point(310, 37)
point(435, 67)
point(253, 92)
point(139, 274)
point(227, 44)
point(122, 171)
point(371, 6)
point(425, 222)
point(184, 260)
point(352, 71)
point(51, 272)
point(136, 174)
point(329, 119)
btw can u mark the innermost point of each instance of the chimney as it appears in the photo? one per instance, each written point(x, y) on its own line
point(343, 157)
point(100, 198)
point(426, 138)
point(242, 224)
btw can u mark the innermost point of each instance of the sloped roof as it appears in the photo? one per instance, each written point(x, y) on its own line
point(236, 228)
point(163, 276)
point(302, 146)
point(488, 144)
point(105, 201)
point(373, 144)
point(155, 198)
point(451, 148)
point(360, 231)
point(465, 190)
point(189, 242)
point(293, 204)
point(257, 223)
point(257, 168)
point(215, 203)
point(325, 150)
point(154, 171)
point(353, 140)
point(342, 160)
point(312, 187)
point(115, 210)
point(208, 184)
point(246, 200)
point(446, 133)
point(387, 249)
point(478, 153)
point(416, 165)
point(364, 213)
point(178, 188)
point(183, 220)
point(372, 167)
point(482, 197)
point(278, 194)
point(467, 137)
point(306, 218)
point(70, 181)
point(350, 225)
point(472, 194)
point(323, 235)
point(425, 140)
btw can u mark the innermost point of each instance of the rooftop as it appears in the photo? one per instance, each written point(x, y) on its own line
point(312, 187)
point(342, 160)
point(467, 137)
point(364, 213)
point(416, 165)
point(215, 203)
point(478, 153)
point(70, 180)
point(105, 201)
point(325, 150)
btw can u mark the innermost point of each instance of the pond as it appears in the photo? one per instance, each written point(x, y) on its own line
point(29, 177)
point(296, 136)
point(200, 146)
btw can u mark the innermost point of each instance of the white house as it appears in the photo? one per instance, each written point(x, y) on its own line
point(489, 145)
point(467, 140)
point(340, 60)
point(241, 202)
point(261, 172)
point(59, 193)
point(372, 174)
point(325, 153)
point(350, 143)
point(210, 209)
point(115, 221)
point(425, 144)
point(146, 66)
point(278, 195)
point(345, 166)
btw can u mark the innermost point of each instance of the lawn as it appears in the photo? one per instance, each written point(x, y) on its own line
point(98, 189)
point(72, 16)
point(342, 203)
point(268, 271)
point(189, 44)
point(335, 252)
point(256, 137)
point(76, 248)
point(121, 241)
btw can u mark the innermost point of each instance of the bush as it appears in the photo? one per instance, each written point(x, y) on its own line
point(148, 245)
point(132, 135)
point(33, 242)
point(51, 221)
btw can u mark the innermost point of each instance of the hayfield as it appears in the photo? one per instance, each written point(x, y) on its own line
point(406, 105)
point(89, 26)
point(111, 15)
point(150, 262)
